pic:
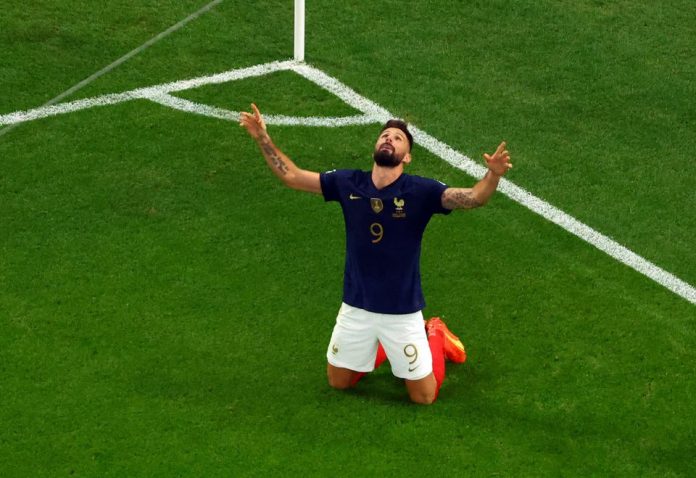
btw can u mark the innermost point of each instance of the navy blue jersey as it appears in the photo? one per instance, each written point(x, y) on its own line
point(384, 229)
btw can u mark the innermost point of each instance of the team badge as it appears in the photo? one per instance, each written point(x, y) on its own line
point(376, 204)
point(399, 211)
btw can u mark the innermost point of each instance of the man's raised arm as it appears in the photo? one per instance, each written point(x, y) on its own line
point(280, 164)
point(467, 198)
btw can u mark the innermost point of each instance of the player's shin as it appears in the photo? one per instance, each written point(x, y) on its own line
point(437, 349)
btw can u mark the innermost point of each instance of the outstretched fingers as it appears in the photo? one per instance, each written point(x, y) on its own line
point(253, 122)
point(257, 113)
point(246, 120)
point(501, 148)
point(258, 117)
point(499, 162)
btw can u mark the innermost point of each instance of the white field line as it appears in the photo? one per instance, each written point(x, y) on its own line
point(19, 117)
point(281, 120)
point(348, 96)
point(121, 60)
point(372, 113)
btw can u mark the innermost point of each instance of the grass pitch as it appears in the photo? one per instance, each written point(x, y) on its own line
point(165, 304)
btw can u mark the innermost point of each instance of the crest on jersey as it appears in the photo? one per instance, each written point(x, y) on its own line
point(399, 211)
point(376, 204)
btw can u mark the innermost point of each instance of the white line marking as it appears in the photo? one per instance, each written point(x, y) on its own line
point(187, 106)
point(348, 96)
point(121, 60)
point(372, 112)
point(231, 75)
point(280, 120)
point(19, 117)
point(320, 121)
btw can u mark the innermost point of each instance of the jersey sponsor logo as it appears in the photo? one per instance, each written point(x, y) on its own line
point(353, 196)
point(377, 205)
point(334, 349)
point(399, 211)
point(412, 369)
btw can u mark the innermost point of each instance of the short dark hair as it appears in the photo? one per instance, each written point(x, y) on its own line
point(398, 124)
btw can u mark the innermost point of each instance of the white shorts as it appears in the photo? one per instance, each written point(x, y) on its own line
point(356, 334)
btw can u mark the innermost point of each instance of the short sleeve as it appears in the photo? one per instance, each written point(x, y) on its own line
point(329, 186)
point(439, 190)
point(433, 191)
point(333, 181)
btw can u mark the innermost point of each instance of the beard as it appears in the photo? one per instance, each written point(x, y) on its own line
point(385, 157)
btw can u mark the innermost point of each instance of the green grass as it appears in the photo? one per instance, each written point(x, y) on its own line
point(165, 304)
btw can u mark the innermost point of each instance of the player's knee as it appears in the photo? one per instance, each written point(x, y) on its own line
point(338, 380)
point(423, 397)
point(339, 383)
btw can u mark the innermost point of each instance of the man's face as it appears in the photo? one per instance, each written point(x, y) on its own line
point(392, 148)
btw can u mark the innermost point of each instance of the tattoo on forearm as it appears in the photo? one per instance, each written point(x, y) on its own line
point(459, 199)
point(271, 153)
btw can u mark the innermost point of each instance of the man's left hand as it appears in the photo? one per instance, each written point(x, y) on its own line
point(498, 162)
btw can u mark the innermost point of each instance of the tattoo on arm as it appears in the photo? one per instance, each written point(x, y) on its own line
point(453, 198)
point(272, 153)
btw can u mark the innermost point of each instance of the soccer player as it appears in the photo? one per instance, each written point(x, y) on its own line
point(385, 212)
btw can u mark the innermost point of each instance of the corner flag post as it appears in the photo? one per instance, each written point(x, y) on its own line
point(299, 29)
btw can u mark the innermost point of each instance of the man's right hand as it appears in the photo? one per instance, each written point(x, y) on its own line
point(253, 123)
point(280, 164)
